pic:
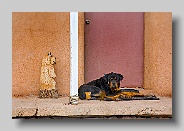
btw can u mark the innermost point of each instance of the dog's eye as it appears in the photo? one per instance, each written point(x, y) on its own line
point(115, 78)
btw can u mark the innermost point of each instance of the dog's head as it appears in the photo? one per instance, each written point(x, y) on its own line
point(113, 81)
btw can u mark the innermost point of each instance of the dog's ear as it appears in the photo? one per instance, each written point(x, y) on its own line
point(121, 77)
point(105, 77)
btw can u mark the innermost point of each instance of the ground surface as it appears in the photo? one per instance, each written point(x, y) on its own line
point(26, 107)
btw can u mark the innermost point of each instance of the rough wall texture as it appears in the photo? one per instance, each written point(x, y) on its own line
point(158, 53)
point(81, 49)
point(114, 43)
point(34, 35)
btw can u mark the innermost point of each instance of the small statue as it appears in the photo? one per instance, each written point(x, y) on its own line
point(47, 82)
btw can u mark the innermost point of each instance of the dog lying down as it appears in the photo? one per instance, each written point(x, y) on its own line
point(108, 88)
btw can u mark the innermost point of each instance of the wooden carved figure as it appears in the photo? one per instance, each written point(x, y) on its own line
point(47, 82)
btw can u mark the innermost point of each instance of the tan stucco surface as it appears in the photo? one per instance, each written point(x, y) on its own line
point(34, 35)
point(34, 107)
point(158, 53)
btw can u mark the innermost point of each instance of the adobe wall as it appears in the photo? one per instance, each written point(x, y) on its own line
point(33, 36)
point(158, 53)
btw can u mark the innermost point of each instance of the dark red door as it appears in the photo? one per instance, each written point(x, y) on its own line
point(114, 43)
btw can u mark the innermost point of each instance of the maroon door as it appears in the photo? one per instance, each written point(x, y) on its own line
point(114, 43)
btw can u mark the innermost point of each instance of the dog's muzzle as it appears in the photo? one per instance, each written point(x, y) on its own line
point(114, 85)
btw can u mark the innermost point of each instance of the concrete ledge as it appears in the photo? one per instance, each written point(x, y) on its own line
point(36, 107)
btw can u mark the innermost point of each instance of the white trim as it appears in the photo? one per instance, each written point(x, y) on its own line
point(73, 54)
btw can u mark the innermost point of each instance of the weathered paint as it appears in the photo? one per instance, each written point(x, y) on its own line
point(114, 43)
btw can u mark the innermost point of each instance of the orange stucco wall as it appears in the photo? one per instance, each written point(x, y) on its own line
point(34, 35)
point(158, 52)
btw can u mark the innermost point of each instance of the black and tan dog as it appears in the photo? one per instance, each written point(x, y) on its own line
point(105, 88)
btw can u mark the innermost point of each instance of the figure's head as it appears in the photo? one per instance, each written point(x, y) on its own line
point(49, 59)
point(53, 60)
